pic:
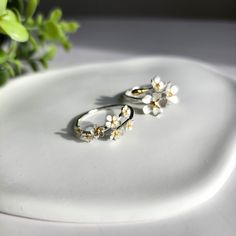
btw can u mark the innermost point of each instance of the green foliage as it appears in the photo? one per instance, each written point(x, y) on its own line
point(30, 8)
point(3, 4)
point(28, 40)
point(10, 25)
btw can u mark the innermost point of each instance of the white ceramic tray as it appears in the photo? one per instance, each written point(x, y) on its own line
point(165, 166)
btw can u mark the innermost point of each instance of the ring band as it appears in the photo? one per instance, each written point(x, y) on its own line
point(114, 126)
point(137, 93)
point(155, 96)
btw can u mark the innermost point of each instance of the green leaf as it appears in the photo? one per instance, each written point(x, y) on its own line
point(39, 19)
point(34, 33)
point(69, 27)
point(11, 27)
point(24, 51)
point(44, 63)
point(42, 37)
point(33, 65)
point(3, 56)
point(18, 4)
point(65, 43)
point(33, 42)
point(3, 75)
point(12, 49)
point(9, 69)
point(17, 13)
point(50, 53)
point(55, 15)
point(18, 66)
point(52, 30)
point(3, 4)
point(30, 8)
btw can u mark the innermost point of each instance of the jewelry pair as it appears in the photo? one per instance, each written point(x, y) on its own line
point(153, 98)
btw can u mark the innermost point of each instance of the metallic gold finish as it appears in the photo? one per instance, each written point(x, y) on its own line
point(155, 97)
point(114, 125)
point(138, 92)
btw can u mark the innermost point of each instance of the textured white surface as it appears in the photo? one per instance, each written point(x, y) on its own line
point(165, 166)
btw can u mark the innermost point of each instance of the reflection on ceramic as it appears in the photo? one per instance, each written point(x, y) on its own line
point(166, 166)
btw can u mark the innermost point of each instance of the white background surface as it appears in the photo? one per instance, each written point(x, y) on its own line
point(107, 40)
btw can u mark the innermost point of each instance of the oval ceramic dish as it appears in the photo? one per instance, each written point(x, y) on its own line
point(165, 166)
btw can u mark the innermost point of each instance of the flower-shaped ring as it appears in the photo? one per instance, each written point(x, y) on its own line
point(113, 127)
point(154, 97)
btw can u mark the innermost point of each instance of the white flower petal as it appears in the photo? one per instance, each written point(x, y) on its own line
point(129, 125)
point(129, 128)
point(125, 108)
point(108, 124)
point(147, 99)
point(168, 87)
point(117, 123)
point(156, 79)
point(162, 85)
point(156, 96)
point(125, 111)
point(115, 119)
point(147, 109)
point(154, 84)
point(156, 111)
point(109, 118)
point(173, 99)
point(115, 134)
point(174, 89)
point(157, 84)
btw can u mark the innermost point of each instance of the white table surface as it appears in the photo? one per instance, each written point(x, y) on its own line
point(113, 39)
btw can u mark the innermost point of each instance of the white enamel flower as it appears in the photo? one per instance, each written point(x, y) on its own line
point(171, 93)
point(125, 111)
point(129, 125)
point(112, 121)
point(98, 131)
point(157, 84)
point(153, 105)
point(115, 134)
point(87, 136)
